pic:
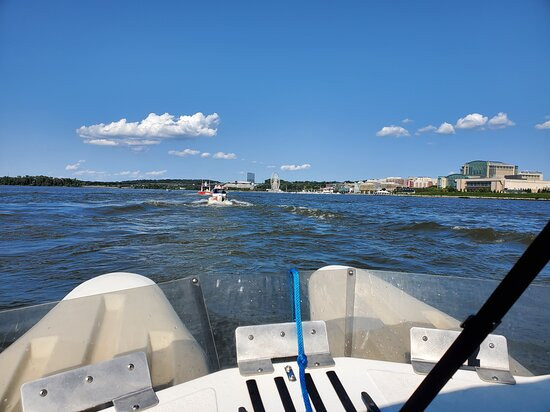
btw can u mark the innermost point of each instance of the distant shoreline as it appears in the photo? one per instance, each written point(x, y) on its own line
point(195, 184)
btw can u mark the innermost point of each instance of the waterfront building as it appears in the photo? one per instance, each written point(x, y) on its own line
point(423, 182)
point(327, 189)
point(250, 177)
point(398, 180)
point(240, 185)
point(370, 186)
point(488, 169)
point(502, 185)
point(449, 182)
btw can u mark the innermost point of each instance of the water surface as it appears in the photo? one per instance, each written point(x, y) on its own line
point(52, 239)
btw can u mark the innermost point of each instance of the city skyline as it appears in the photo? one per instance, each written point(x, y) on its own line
point(324, 93)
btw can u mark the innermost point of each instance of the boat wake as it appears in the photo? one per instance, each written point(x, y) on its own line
point(226, 203)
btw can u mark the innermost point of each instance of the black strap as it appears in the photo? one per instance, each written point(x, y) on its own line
point(314, 394)
point(286, 399)
point(477, 327)
point(255, 398)
point(341, 391)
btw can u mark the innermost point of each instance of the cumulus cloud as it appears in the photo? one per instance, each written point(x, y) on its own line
point(205, 154)
point(470, 121)
point(392, 131)
point(543, 126)
point(156, 172)
point(295, 167)
point(222, 155)
point(74, 166)
point(445, 128)
point(407, 120)
point(184, 152)
point(151, 130)
point(500, 121)
point(426, 129)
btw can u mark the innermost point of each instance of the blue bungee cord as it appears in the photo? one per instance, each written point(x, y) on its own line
point(302, 358)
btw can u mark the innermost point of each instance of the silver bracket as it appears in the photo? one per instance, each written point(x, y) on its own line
point(258, 345)
point(124, 380)
point(491, 362)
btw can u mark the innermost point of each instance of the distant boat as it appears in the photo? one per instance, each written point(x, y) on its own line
point(205, 189)
point(219, 197)
point(382, 192)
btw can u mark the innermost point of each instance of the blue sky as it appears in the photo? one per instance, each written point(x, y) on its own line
point(306, 85)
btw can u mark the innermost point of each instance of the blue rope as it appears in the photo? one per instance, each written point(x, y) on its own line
point(302, 358)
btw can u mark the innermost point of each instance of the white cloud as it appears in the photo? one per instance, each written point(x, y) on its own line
point(425, 129)
point(445, 128)
point(134, 173)
point(151, 130)
point(407, 120)
point(470, 121)
point(184, 152)
point(296, 167)
point(156, 172)
point(543, 126)
point(89, 172)
point(74, 166)
point(205, 154)
point(500, 121)
point(271, 167)
point(102, 142)
point(222, 155)
point(392, 131)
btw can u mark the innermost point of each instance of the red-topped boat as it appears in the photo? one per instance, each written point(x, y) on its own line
point(205, 189)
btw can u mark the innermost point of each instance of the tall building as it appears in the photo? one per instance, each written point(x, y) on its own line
point(488, 169)
point(250, 177)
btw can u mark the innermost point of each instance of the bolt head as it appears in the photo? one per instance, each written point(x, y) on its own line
point(89, 379)
point(260, 370)
point(250, 337)
point(313, 331)
point(491, 345)
point(43, 392)
point(195, 281)
point(131, 366)
point(282, 334)
point(424, 338)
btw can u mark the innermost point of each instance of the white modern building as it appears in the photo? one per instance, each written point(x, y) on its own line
point(240, 185)
point(511, 183)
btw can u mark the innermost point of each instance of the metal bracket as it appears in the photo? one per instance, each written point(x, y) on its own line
point(124, 380)
point(258, 345)
point(491, 362)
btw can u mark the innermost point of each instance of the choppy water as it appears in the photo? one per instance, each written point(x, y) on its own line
point(51, 239)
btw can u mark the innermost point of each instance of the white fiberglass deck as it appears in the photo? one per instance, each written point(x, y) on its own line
point(389, 384)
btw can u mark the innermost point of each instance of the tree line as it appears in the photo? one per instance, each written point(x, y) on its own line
point(40, 181)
